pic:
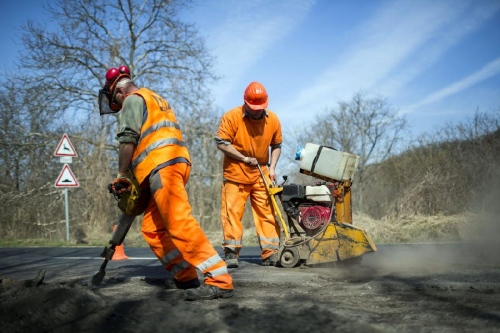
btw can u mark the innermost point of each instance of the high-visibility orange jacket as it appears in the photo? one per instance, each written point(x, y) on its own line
point(251, 138)
point(168, 225)
point(160, 139)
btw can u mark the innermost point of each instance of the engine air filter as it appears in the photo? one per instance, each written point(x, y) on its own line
point(313, 217)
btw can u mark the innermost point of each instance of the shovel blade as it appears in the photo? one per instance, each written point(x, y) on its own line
point(98, 277)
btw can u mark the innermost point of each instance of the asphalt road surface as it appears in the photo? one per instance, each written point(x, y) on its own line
point(447, 287)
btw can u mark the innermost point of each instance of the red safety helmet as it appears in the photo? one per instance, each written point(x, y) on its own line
point(113, 74)
point(255, 96)
point(107, 102)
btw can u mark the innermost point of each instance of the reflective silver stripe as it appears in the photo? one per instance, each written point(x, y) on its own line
point(209, 262)
point(231, 242)
point(269, 240)
point(269, 246)
point(159, 125)
point(269, 243)
point(217, 272)
point(179, 267)
point(167, 258)
point(153, 146)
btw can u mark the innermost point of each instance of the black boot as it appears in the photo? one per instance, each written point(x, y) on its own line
point(271, 260)
point(175, 284)
point(231, 258)
point(206, 292)
point(190, 284)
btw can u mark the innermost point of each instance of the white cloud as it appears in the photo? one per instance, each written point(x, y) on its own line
point(249, 30)
point(490, 70)
point(395, 34)
point(436, 46)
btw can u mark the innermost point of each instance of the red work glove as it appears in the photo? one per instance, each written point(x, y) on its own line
point(122, 183)
point(333, 189)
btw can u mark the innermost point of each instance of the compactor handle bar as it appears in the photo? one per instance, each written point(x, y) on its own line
point(271, 191)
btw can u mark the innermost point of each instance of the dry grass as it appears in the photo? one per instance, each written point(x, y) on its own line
point(408, 229)
point(249, 237)
point(418, 228)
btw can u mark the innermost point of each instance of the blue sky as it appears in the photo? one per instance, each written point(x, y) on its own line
point(435, 61)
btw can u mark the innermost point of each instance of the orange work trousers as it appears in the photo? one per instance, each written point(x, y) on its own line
point(173, 233)
point(234, 197)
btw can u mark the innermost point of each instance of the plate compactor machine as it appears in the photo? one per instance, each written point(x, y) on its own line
point(319, 227)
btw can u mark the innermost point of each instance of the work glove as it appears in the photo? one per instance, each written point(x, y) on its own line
point(122, 183)
point(333, 187)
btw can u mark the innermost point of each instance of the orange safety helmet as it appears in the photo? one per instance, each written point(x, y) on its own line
point(255, 96)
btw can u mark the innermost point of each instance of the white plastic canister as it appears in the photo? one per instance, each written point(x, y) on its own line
point(327, 163)
point(319, 193)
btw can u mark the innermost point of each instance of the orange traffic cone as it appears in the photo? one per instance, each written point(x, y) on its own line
point(119, 251)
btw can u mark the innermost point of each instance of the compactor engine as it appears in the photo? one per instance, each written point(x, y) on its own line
point(310, 206)
point(319, 226)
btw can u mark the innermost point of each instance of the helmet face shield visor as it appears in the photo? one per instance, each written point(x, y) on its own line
point(106, 105)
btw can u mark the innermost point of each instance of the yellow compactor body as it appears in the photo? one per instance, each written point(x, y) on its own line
point(319, 226)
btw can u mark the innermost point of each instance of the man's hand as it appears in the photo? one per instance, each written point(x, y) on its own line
point(272, 175)
point(122, 183)
point(250, 161)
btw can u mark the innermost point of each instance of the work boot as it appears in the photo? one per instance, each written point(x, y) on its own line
point(175, 284)
point(206, 292)
point(231, 259)
point(272, 260)
point(190, 284)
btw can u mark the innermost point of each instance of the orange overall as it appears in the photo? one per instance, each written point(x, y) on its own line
point(161, 163)
point(251, 137)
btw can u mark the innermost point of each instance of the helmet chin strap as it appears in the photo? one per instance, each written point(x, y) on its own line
point(119, 84)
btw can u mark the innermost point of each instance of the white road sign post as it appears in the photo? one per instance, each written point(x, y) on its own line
point(66, 178)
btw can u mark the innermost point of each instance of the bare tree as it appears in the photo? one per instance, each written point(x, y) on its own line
point(161, 51)
point(29, 199)
point(61, 69)
point(366, 126)
point(206, 170)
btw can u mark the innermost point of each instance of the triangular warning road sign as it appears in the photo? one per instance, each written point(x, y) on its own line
point(65, 148)
point(66, 178)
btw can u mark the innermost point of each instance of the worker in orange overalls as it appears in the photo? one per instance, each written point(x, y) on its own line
point(151, 145)
point(246, 135)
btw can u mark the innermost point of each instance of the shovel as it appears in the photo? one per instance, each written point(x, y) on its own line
point(116, 239)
